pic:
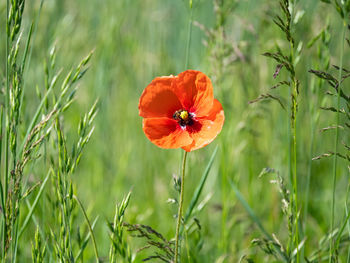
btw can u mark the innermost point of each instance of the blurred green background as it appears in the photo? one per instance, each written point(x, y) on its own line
point(135, 41)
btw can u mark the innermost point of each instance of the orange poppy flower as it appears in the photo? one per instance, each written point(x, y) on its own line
point(180, 111)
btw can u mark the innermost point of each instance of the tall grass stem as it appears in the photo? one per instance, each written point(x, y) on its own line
point(295, 177)
point(293, 152)
point(7, 103)
point(335, 158)
point(346, 213)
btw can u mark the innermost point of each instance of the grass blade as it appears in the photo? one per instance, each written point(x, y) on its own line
point(86, 240)
point(89, 225)
point(342, 230)
point(25, 55)
point(254, 218)
point(31, 211)
point(1, 130)
point(200, 186)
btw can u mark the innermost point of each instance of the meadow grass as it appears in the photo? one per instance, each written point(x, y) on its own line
point(79, 179)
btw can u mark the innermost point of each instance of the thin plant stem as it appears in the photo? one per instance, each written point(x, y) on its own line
point(179, 213)
point(290, 172)
point(346, 214)
point(7, 103)
point(335, 158)
point(1, 131)
point(308, 178)
point(293, 152)
point(295, 179)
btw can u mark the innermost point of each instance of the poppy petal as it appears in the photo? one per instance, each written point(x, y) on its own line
point(195, 91)
point(207, 128)
point(165, 133)
point(158, 99)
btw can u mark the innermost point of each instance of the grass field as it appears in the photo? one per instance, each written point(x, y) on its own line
point(52, 172)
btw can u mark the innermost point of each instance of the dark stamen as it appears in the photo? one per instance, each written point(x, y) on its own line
point(183, 117)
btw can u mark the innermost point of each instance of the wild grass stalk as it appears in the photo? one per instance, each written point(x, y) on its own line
point(289, 61)
point(336, 138)
point(343, 11)
point(119, 246)
point(18, 151)
point(12, 173)
point(337, 83)
point(63, 169)
point(323, 62)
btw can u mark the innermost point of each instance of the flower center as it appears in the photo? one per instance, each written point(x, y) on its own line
point(183, 117)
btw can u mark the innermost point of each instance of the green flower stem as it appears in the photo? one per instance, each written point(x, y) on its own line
point(179, 213)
